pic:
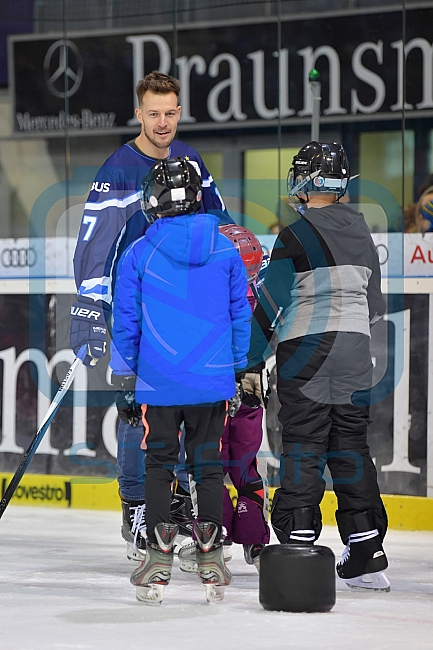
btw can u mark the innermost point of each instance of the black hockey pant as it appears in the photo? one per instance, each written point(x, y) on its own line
point(323, 387)
point(203, 431)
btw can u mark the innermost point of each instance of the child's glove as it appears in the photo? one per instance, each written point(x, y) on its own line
point(235, 402)
point(128, 409)
point(253, 390)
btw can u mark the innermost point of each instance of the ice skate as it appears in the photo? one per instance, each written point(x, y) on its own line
point(154, 572)
point(227, 548)
point(181, 514)
point(210, 561)
point(363, 562)
point(252, 554)
point(133, 529)
point(188, 560)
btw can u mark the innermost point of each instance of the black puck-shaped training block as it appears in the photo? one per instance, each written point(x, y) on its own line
point(297, 578)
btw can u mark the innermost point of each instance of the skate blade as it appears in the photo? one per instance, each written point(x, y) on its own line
point(214, 593)
point(150, 594)
point(136, 556)
point(373, 581)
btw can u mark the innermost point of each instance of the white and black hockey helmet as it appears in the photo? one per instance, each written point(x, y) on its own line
point(171, 187)
point(319, 167)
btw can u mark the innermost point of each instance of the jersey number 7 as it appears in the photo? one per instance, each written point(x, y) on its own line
point(91, 223)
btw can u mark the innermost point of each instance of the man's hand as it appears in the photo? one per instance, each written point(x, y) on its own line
point(128, 409)
point(88, 327)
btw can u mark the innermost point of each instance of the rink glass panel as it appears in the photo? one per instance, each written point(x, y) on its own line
point(250, 165)
point(72, 450)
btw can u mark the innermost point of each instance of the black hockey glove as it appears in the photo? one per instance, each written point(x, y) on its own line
point(128, 409)
point(88, 327)
point(234, 403)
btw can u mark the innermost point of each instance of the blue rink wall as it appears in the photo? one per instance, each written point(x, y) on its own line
point(75, 463)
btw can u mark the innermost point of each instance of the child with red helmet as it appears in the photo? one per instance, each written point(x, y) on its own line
point(246, 523)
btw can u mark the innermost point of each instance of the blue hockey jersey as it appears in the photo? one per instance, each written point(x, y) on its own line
point(113, 218)
point(181, 319)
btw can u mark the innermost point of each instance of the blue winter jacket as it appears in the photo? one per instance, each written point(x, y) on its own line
point(181, 316)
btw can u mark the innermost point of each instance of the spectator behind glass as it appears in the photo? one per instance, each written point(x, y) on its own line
point(413, 220)
point(424, 210)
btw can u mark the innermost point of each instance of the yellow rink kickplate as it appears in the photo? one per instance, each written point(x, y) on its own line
point(92, 493)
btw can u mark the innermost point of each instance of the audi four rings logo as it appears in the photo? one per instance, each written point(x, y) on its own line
point(18, 258)
point(63, 68)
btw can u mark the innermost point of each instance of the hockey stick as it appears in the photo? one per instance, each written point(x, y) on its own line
point(25, 461)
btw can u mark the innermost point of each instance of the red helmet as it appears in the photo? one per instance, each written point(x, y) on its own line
point(248, 246)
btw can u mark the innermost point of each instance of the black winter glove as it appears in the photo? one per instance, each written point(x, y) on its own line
point(88, 327)
point(128, 409)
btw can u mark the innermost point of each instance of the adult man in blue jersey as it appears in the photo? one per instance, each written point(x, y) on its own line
point(112, 220)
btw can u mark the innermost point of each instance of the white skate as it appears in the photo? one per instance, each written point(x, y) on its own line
point(134, 553)
point(150, 594)
point(214, 593)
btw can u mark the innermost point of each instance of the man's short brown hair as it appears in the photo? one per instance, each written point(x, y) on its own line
point(158, 83)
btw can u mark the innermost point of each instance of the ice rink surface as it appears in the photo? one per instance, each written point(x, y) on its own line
point(64, 583)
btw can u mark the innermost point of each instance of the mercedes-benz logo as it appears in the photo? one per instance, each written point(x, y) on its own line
point(63, 68)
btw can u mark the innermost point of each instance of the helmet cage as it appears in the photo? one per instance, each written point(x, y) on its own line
point(171, 187)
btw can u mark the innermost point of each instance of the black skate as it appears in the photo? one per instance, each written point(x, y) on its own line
point(363, 562)
point(133, 529)
point(252, 554)
point(154, 572)
point(210, 560)
point(182, 514)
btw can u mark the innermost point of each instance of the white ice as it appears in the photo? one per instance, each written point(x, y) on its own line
point(64, 581)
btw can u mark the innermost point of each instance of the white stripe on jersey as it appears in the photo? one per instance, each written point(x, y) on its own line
point(116, 203)
point(223, 207)
point(93, 288)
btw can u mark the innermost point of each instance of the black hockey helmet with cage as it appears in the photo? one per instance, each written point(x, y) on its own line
point(319, 167)
point(171, 187)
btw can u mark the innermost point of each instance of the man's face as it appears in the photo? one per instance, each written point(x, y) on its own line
point(159, 115)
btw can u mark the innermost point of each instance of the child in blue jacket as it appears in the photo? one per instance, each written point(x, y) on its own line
point(180, 334)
